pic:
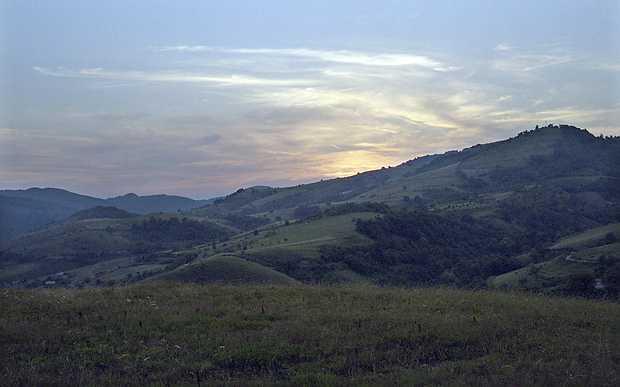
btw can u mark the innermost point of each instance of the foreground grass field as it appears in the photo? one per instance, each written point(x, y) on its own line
point(181, 334)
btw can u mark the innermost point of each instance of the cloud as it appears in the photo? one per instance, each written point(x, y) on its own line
point(183, 48)
point(614, 67)
point(357, 58)
point(335, 56)
point(529, 59)
point(532, 62)
point(349, 83)
point(231, 117)
point(172, 76)
point(503, 47)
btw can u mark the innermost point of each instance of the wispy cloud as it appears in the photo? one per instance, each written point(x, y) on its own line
point(172, 76)
point(271, 116)
point(520, 59)
point(335, 56)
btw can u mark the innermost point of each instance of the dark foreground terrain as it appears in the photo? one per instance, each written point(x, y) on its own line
point(184, 334)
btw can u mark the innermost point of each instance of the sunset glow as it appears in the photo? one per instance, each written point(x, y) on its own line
point(202, 98)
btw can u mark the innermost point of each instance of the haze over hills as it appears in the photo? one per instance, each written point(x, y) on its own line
point(459, 218)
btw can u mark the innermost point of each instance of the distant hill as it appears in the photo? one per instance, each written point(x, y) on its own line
point(99, 212)
point(23, 211)
point(56, 196)
point(508, 202)
point(22, 214)
point(154, 203)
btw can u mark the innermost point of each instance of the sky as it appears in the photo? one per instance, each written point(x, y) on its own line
point(201, 98)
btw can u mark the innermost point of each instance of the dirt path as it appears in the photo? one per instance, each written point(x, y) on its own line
point(570, 258)
point(323, 239)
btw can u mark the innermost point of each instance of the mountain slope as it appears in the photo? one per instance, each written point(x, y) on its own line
point(555, 156)
point(19, 215)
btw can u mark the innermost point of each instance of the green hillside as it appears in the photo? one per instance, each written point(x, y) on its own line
point(226, 269)
point(86, 245)
point(585, 264)
point(589, 238)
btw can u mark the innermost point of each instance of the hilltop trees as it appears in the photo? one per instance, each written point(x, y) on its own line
point(162, 232)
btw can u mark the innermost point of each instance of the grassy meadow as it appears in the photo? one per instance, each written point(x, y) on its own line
point(184, 334)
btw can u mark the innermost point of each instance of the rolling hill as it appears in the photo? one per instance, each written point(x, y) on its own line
point(463, 218)
point(85, 244)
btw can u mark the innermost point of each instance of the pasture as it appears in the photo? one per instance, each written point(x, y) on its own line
point(184, 334)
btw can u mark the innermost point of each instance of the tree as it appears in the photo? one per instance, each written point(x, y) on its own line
point(582, 284)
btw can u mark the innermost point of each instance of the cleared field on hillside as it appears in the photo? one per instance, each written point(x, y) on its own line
point(588, 237)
